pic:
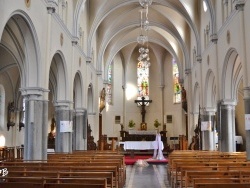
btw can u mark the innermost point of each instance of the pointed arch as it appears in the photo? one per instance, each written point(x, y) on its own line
point(58, 76)
point(78, 91)
point(20, 29)
point(231, 75)
point(210, 88)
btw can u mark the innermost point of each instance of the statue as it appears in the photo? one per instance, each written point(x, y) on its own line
point(195, 139)
point(122, 127)
point(11, 115)
point(102, 100)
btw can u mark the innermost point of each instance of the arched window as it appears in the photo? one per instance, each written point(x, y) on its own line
point(142, 80)
point(109, 85)
point(177, 87)
point(2, 106)
point(204, 6)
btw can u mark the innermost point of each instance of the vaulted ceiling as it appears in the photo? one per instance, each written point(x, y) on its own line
point(173, 25)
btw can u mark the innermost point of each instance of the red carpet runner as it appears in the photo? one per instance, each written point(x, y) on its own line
point(148, 158)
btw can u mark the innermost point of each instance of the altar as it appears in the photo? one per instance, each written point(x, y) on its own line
point(143, 132)
point(141, 145)
point(142, 135)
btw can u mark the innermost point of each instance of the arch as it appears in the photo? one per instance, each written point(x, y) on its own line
point(212, 18)
point(58, 76)
point(76, 18)
point(115, 31)
point(22, 31)
point(104, 14)
point(158, 42)
point(78, 91)
point(210, 88)
point(231, 75)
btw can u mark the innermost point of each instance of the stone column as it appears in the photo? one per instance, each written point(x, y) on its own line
point(208, 142)
point(63, 142)
point(247, 112)
point(36, 123)
point(227, 134)
point(80, 130)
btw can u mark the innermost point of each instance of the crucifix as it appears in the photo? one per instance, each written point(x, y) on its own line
point(143, 103)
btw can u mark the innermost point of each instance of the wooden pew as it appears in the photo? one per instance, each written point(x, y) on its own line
point(13, 182)
point(95, 156)
point(85, 160)
point(69, 169)
point(180, 162)
point(58, 174)
point(190, 175)
point(220, 183)
point(115, 169)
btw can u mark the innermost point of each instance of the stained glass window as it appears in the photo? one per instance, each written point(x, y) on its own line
point(176, 84)
point(109, 85)
point(142, 81)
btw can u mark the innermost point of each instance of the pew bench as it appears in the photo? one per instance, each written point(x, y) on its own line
point(220, 183)
point(58, 174)
point(53, 182)
point(70, 169)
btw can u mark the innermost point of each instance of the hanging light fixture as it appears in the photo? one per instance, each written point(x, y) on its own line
point(144, 3)
point(142, 39)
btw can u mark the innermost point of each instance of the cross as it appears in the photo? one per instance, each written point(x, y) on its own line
point(143, 103)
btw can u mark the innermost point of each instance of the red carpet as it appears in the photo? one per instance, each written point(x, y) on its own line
point(148, 158)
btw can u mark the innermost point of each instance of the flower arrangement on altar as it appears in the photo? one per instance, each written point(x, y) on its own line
point(157, 123)
point(131, 124)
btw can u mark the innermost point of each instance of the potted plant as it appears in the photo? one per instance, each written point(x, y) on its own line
point(131, 124)
point(157, 123)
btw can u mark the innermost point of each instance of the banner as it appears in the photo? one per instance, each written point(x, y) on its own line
point(206, 126)
point(247, 122)
point(66, 126)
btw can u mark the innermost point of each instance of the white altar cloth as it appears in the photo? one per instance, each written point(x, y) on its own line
point(142, 145)
point(149, 132)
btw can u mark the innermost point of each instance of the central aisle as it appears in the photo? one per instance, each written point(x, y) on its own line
point(152, 176)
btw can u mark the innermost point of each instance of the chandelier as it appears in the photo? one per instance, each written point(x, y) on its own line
point(145, 3)
point(142, 39)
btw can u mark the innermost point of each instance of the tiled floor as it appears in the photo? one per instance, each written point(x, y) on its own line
point(152, 176)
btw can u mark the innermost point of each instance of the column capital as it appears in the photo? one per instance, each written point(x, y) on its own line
point(80, 111)
point(88, 60)
point(34, 93)
point(75, 41)
point(209, 110)
point(229, 102)
point(105, 82)
point(214, 38)
point(188, 71)
point(246, 91)
point(98, 72)
point(63, 104)
point(239, 4)
point(199, 58)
